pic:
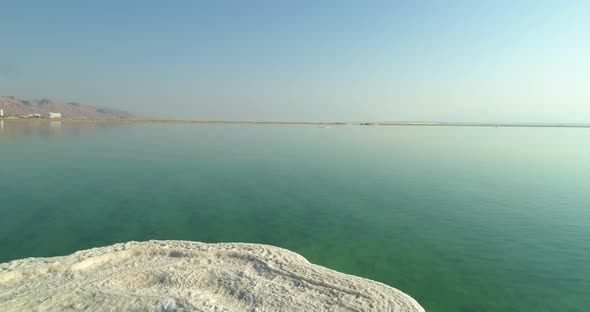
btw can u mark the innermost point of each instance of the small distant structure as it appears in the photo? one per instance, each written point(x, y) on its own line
point(54, 115)
point(1, 113)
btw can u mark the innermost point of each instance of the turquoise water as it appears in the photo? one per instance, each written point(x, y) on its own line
point(460, 218)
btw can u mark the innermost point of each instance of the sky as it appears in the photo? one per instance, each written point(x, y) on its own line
point(333, 60)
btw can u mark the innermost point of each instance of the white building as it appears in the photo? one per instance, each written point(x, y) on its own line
point(54, 115)
point(1, 113)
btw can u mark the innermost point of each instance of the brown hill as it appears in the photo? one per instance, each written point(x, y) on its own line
point(16, 107)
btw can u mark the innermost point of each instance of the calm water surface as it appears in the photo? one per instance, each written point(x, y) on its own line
point(462, 219)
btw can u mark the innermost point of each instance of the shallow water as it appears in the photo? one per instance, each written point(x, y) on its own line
point(460, 218)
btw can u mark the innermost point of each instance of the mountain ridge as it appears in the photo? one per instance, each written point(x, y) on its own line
point(18, 107)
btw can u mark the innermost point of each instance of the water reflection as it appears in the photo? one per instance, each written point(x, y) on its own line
point(10, 130)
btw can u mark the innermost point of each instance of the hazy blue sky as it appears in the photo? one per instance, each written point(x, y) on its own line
point(305, 60)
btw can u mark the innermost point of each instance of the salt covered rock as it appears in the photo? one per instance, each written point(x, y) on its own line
point(189, 276)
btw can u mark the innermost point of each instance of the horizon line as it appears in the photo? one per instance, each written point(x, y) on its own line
point(334, 123)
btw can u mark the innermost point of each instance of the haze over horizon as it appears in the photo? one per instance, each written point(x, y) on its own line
point(448, 61)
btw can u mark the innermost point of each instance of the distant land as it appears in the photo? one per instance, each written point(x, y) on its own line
point(17, 107)
point(76, 112)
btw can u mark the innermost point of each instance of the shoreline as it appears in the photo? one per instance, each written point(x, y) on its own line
point(319, 123)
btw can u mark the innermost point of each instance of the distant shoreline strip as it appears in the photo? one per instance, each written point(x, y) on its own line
point(73, 120)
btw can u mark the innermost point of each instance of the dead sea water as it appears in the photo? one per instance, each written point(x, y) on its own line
point(460, 218)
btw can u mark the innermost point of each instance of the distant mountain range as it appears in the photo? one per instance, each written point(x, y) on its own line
point(16, 107)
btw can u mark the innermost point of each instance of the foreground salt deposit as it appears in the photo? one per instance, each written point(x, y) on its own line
point(189, 276)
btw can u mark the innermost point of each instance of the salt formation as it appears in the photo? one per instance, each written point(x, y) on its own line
point(189, 276)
